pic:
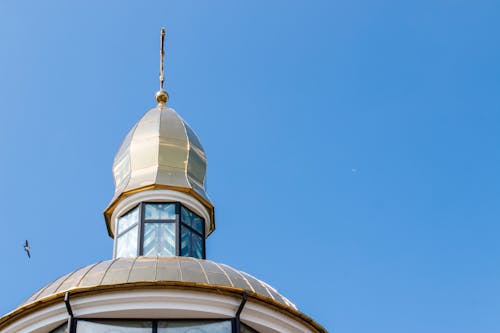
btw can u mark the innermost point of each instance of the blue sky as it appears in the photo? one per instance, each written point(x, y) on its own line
point(353, 146)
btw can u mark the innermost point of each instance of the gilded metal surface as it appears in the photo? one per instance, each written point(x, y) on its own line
point(159, 269)
point(160, 150)
point(161, 97)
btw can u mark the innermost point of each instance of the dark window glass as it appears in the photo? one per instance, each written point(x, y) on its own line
point(192, 220)
point(191, 243)
point(185, 241)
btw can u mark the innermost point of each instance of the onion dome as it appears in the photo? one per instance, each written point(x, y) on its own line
point(160, 152)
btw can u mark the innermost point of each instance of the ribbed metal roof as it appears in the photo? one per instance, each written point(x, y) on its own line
point(160, 150)
point(158, 269)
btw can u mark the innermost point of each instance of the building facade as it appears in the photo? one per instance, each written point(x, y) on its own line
point(159, 279)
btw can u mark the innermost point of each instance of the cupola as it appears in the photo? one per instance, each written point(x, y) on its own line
point(160, 207)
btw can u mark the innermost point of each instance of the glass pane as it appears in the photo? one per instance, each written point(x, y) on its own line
point(160, 211)
point(197, 243)
point(159, 239)
point(128, 220)
point(108, 326)
point(61, 329)
point(197, 326)
point(192, 220)
point(126, 244)
point(191, 244)
point(185, 242)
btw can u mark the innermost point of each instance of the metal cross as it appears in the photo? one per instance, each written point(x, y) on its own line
point(162, 55)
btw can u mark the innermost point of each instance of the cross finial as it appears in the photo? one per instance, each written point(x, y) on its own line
point(161, 95)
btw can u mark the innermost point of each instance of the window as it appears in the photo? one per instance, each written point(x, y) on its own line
point(160, 229)
point(105, 326)
point(159, 326)
point(192, 244)
point(159, 211)
point(198, 326)
point(159, 239)
point(127, 234)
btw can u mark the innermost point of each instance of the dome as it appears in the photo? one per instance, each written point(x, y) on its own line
point(160, 152)
point(164, 271)
point(158, 287)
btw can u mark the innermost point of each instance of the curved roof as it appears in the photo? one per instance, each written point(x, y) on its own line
point(158, 269)
point(161, 150)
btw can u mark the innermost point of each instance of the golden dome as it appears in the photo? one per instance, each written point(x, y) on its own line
point(147, 273)
point(178, 271)
point(160, 152)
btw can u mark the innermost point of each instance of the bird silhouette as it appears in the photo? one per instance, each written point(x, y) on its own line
point(27, 248)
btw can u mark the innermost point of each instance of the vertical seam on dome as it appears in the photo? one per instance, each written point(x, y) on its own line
point(129, 176)
point(87, 272)
point(131, 268)
point(106, 271)
point(180, 268)
point(129, 159)
point(37, 294)
point(244, 278)
point(156, 267)
point(268, 290)
point(67, 277)
point(160, 113)
point(223, 272)
point(203, 270)
point(262, 285)
point(187, 152)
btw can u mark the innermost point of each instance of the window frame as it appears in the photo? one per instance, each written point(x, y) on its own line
point(178, 227)
point(191, 229)
point(154, 322)
point(124, 232)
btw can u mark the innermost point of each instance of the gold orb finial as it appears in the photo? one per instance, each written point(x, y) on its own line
point(161, 95)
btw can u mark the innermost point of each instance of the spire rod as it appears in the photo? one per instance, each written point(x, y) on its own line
point(161, 95)
point(162, 56)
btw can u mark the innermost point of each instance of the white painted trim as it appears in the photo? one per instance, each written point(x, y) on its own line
point(164, 303)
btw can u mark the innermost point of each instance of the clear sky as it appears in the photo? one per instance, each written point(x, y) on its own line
point(353, 146)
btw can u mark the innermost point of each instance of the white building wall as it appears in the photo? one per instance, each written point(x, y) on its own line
point(156, 304)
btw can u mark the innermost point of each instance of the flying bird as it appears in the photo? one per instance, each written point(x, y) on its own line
point(27, 248)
